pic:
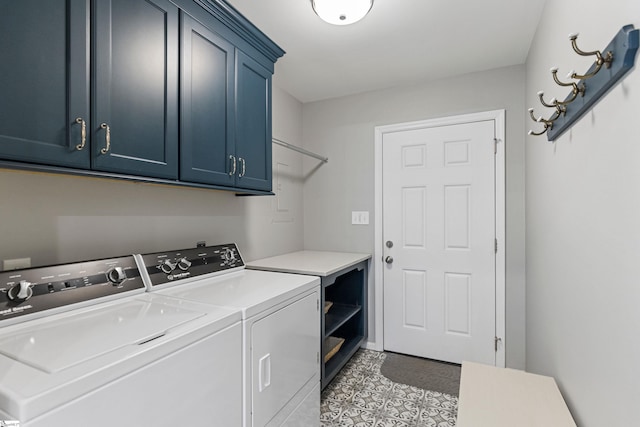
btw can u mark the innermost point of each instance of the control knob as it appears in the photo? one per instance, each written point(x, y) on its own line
point(167, 266)
point(20, 292)
point(116, 275)
point(228, 255)
point(184, 264)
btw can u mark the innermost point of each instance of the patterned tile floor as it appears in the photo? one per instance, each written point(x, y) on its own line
point(360, 396)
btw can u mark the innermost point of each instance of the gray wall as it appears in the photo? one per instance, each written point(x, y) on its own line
point(583, 225)
point(343, 130)
point(58, 218)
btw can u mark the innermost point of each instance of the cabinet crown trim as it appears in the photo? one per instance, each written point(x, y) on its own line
point(235, 21)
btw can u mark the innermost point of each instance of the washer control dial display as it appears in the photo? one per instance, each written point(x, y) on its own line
point(39, 289)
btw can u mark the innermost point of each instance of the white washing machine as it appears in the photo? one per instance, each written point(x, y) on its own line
point(83, 344)
point(281, 327)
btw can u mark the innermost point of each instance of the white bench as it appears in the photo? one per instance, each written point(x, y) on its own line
point(499, 397)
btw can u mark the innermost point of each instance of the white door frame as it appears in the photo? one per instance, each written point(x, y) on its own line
point(499, 117)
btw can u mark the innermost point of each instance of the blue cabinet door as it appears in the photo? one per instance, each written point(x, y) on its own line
point(253, 123)
point(44, 81)
point(206, 106)
point(135, 88)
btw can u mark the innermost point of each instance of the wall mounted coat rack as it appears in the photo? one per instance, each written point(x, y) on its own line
point(610, 65)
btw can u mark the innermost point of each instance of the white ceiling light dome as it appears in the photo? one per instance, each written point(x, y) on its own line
point(341, 12)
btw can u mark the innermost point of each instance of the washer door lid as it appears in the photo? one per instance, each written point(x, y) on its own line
point(72, 338)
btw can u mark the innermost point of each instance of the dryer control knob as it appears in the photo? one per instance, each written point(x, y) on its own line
point(20, 292)
point(184, 264)
point(116, 275)
point(228, 255)
point(167, 266)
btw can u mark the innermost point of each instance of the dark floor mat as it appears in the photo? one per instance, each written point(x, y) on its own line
point(422, 373)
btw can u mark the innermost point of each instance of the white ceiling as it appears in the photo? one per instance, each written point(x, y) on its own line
point(400, 42)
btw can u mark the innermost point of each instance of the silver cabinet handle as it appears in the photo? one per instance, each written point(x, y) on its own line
point(244, 167)
point(233, 165)
point(388, 260)
point(107, 138)
point(83, 133)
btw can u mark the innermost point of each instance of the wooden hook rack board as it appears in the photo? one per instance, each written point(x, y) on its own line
point(624, 47)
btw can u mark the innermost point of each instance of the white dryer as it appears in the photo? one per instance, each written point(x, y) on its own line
point(83, 345)
point(281, 326)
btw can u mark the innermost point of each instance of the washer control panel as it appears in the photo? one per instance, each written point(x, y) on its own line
point(165, 267)
point(35, 290)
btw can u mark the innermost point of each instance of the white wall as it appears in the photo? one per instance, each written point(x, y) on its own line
point(60, 218)
point(343, 130)
point(583, 225)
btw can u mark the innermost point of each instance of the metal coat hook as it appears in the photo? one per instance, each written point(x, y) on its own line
point(575, 89)
point(548, 124)
point(559, 106)
point(586, 89)
point(553, 100)
point(600, 60)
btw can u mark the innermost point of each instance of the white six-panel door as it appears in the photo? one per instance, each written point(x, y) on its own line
point(439, 232)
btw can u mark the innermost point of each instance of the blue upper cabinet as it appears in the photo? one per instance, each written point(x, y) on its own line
point(226, 70)
point(135, 87)
point(207, 105)
point(253, 124)
point(168, 91)
point(44, 82)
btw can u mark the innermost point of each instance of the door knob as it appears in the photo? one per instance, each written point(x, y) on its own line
point(388, 259)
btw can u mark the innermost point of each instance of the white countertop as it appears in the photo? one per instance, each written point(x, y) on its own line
point(316, 263)
point(499, 397)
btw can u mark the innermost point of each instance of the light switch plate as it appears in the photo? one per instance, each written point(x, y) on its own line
point(360, 217)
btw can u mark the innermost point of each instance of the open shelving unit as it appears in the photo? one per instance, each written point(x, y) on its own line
point(346, 319)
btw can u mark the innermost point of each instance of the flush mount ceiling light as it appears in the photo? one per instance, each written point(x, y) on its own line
point(341, 12)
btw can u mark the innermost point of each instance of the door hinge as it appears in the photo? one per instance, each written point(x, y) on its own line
point(495, 145)
point(317, 304)
point(495, 247)
point(318, 357)
point(496, 340)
